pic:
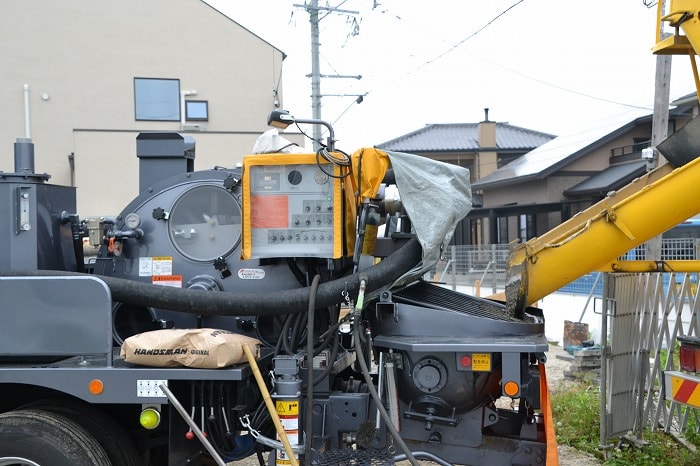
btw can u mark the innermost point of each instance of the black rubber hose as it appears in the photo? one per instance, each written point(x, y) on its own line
point(77, 243)
point(283, 340)
point(357, 324)
point(309, 407)
point(207, 303)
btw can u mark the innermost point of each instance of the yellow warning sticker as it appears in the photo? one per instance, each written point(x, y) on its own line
point(287, 408)
point(481, 362)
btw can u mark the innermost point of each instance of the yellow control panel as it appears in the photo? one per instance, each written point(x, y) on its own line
point(292, 207)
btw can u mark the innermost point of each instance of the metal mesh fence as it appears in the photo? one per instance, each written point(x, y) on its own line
point(651, 312)
point(465, 265)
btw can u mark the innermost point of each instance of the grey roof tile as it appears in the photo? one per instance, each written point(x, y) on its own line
point(463, 137)
point(613, 177)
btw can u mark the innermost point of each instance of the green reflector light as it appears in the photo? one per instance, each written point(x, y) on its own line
point(149, 418)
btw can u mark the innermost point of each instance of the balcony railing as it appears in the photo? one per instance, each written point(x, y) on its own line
point(627, 153)
point(465, 265)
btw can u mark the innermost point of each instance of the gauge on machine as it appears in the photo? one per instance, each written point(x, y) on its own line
point(132, 221)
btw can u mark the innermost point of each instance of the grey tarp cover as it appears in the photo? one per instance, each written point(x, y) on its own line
point(436, 196)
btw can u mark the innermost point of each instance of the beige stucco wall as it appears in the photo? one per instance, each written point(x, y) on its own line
point(600, 159)
point(107, 168)
point(535, 192)
point(83, 55)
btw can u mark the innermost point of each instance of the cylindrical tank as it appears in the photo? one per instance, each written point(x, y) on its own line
point(185, 231)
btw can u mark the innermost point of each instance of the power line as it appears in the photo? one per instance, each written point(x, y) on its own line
point(556, 86)
point(474, 34)
point(457, 45)
point(453, 47)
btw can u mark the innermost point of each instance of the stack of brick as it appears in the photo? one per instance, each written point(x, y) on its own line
point(585, 363)
point(581, 352)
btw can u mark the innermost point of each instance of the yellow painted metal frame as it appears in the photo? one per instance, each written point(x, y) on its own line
point(289, 159)
point(679, 266)
point(596, 237)
point(683, 14)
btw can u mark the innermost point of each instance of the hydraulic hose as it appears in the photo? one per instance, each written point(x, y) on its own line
point(207, 303)
point(368, 380)
point(308, 412)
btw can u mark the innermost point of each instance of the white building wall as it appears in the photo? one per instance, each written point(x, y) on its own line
point(80, 58)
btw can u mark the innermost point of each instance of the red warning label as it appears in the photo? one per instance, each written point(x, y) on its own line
point(269, 212)
point(167, 280)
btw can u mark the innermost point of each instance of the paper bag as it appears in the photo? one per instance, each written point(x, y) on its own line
point(204, 348)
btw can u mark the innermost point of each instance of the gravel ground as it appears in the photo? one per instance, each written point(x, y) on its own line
point(557, 381)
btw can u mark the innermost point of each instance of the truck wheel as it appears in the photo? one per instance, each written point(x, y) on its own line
point(39, 438)
point(109, 433)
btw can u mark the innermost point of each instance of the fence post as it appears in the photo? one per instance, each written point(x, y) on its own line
point(608, 292)
point(643, 370)
point(469, 261)
point(494, 272)
point(453, 250)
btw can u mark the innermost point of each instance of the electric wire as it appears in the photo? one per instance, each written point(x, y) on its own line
point(457, 46)
point(431, 60)
point(331, 360)
point(344, 162)
point(470, 36)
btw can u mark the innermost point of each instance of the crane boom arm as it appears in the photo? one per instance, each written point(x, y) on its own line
point(595, 238)
point(600, 234)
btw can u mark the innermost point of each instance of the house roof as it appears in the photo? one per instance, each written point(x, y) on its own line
point(610, 179)
point(561, 151)
point(463, 137)
point(685, 99)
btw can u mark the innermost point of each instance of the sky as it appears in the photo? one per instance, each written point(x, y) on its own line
point(549, 66)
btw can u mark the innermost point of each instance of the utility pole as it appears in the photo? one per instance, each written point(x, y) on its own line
point(313, 8)
point(659, 124)
point(659, 131)
point(315, 72)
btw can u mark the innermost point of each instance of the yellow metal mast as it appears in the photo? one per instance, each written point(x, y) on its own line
point(681, 15)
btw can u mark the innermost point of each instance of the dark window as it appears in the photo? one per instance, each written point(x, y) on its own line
point(157, 99)
point(639, 144)
point(197, 110)
point(502, 226)
point(527, 226)
point(505, 159)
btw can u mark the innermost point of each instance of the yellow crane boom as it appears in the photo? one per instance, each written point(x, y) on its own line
point(595, 238)
point(600, 234)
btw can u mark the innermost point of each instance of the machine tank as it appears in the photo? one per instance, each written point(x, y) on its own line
point(35, 217)
point(184, 230)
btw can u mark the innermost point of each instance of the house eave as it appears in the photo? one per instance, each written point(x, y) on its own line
point(544, 173)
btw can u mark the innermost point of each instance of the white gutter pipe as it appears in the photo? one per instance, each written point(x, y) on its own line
point(27, 133)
